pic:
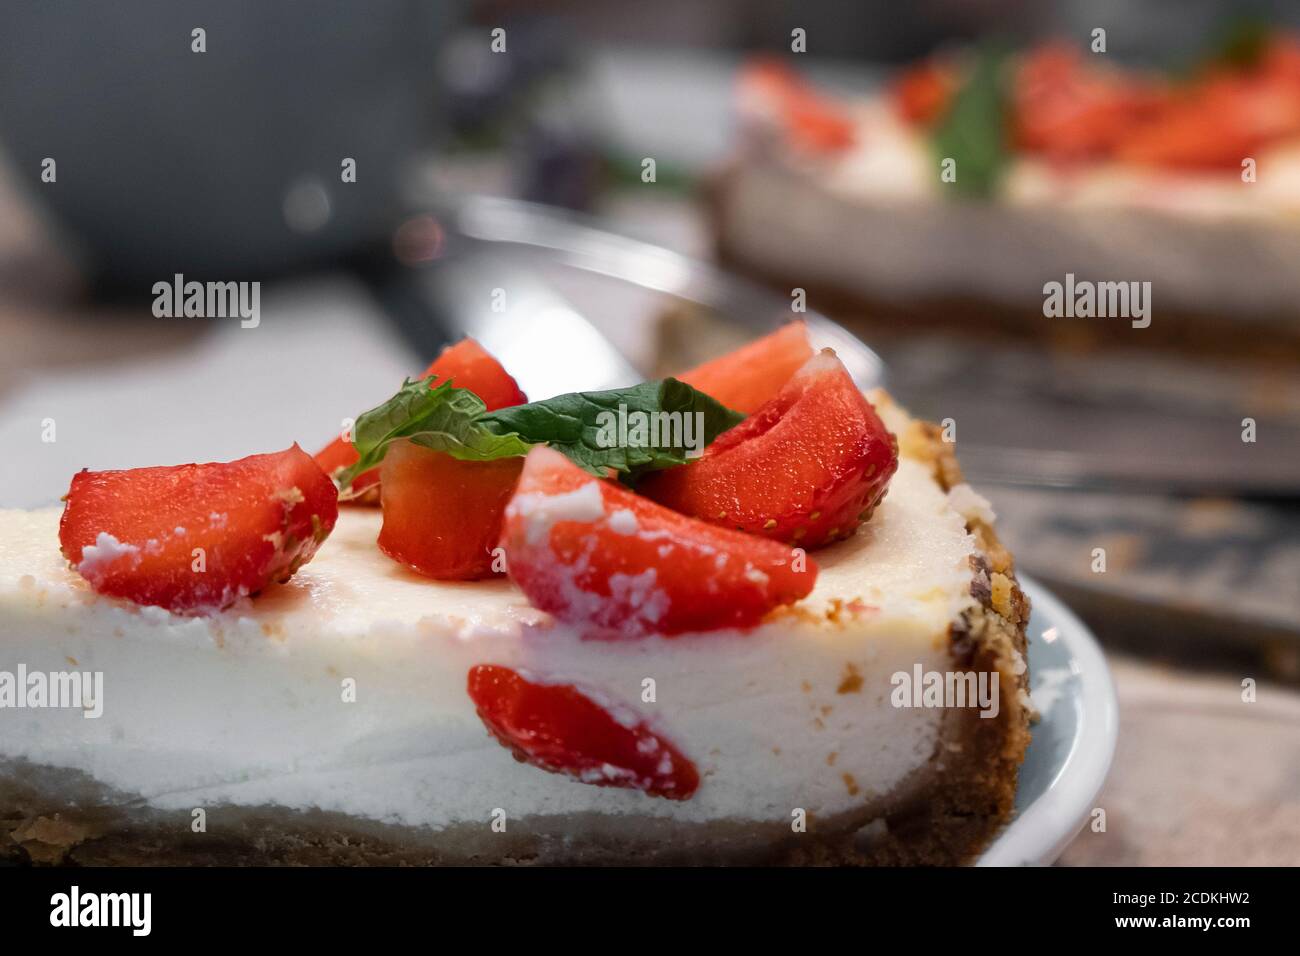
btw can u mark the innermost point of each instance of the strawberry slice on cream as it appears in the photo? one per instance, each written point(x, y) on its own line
point(442, 517)
point(807, 467)
point(196, 538)
point(616, 564)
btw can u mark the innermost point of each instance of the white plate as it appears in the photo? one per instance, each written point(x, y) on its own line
point(1073, 744)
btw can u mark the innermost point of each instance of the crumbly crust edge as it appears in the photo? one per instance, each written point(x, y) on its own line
point(972, 796)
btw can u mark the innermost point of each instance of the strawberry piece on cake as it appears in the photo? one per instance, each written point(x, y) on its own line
point(442, 516)
point(817, 123)
point(606, 559)
point(561, 729)
point(807, 467)
point(195, 538)
point(752, 374)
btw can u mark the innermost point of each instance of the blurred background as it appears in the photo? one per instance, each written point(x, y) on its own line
point(652, 183)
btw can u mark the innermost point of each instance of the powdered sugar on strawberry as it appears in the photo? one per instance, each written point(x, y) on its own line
point(106, 551)
point(541, 512)
point(615, 564)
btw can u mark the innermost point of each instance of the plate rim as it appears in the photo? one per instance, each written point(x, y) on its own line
point(1040, 832)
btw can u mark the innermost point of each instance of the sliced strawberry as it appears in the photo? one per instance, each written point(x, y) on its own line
point(1069, 110)
point(196, 538)
point(442, 516)
point(1231, 112)
point(811, 120)
point(559, 728)
point(468, 365)
point(808, 467)
point(921, 93)
point(601, 557)
point(1220, 121)
point(752, 374)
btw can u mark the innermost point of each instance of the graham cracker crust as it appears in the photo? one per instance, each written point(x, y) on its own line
point(943, 814)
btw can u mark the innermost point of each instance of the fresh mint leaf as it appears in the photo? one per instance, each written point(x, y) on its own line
point(632, 431)
point(973, 132)
point(443, 418)
point(629, 431)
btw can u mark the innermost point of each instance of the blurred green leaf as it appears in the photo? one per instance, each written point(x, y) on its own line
point(974, 131)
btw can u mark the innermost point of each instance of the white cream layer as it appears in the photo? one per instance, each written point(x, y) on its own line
point(247, 707)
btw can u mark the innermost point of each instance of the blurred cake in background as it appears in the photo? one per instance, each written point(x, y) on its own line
point(973, 179)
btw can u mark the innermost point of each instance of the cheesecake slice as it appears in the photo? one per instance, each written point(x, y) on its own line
point(327, 721)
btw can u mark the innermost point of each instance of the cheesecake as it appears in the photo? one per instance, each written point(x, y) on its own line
point(871, 202)
point(325, 717)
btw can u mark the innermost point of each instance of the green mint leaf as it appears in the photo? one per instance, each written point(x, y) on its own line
point(443, 418)
point(974, 130)
point(629, 431)
point(632, 431)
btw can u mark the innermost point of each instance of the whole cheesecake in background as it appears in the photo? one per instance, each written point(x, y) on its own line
point(972, 179)
point(356, 712)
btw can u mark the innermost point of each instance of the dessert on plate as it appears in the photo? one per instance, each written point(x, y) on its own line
point(746, 615)
point(980, 175)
